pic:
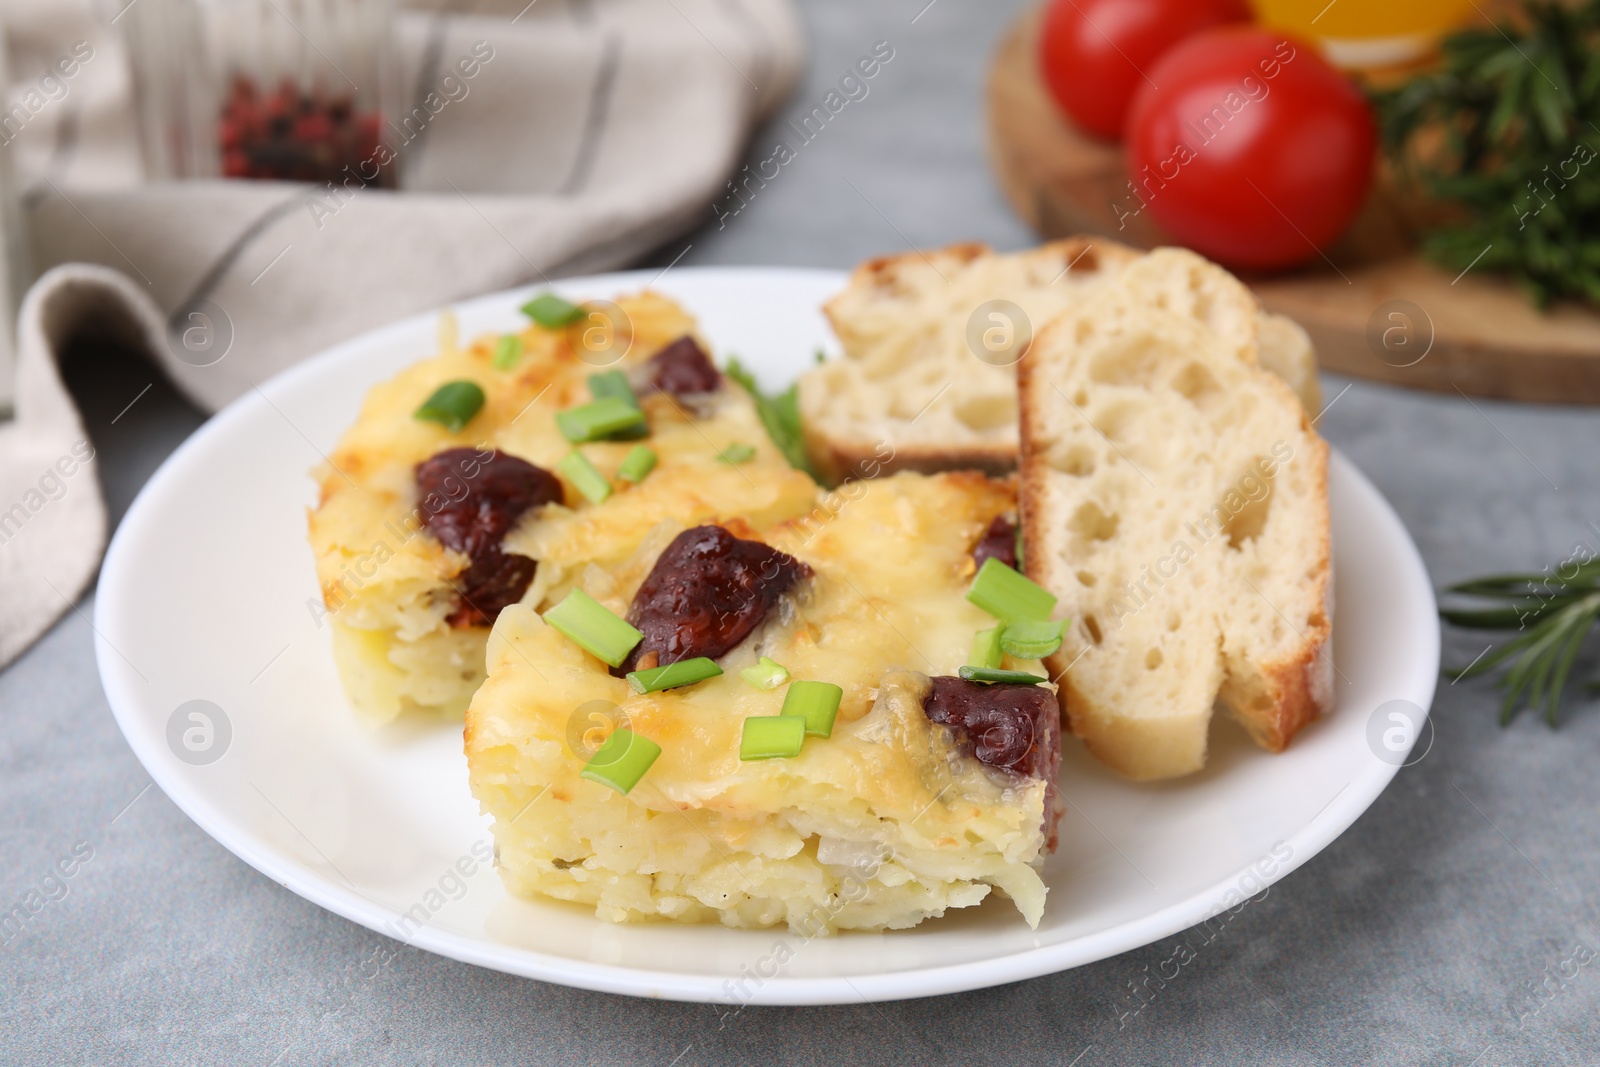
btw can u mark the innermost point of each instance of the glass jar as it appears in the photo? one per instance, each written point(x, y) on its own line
point(285, 90)
point(1368, 33)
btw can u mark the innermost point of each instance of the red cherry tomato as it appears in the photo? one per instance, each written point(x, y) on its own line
point(1249, 147)
point(1092, 52)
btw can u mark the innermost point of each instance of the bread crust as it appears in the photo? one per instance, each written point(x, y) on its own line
point(1304, 682)
point(1300, 685)
point(839, 455)
point(1083, 254)
point(838, 460)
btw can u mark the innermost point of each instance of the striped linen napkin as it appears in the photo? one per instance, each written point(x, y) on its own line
point(591, 132)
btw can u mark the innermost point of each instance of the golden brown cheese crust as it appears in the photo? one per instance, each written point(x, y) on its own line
point(885, 608)
point(386, 581)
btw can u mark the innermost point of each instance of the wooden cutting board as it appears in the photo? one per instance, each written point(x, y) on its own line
point(1375, 309)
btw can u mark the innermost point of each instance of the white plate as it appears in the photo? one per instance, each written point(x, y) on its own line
point(205, 596)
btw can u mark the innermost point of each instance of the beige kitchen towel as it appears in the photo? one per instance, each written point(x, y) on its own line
point(592, 132)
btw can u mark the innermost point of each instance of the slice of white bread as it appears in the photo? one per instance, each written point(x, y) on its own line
point(910, 392)
point(1174, 498)
point(1284, 348)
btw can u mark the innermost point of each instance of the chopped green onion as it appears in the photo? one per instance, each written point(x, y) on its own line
point(985, 674)
point(452, 405)
point(507, 351)
point(1030, 638)
point(614, 383)
point(772, 737)
point(594, 422)
point(552, 312)
point(767, 674)
point(737, 453)
point(1005, 594)
point(622, 760)
point(683, 672)
point(639, 461)
point(593, 628)
point(815, 702)
point(577, 469)
point(986, 649)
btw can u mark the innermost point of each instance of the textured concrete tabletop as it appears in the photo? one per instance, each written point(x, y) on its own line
point(1452, 924)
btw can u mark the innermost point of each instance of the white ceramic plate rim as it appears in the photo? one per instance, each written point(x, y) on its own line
point(1417, 686)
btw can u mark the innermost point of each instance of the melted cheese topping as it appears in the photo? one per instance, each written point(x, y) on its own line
point(385, 579)
point(885, 609)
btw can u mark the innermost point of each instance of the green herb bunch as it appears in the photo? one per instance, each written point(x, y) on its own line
point(1552, 613)
point(1507, 132)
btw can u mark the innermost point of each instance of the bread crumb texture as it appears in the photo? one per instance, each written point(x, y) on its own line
point(1174, 498)
point(917, 386)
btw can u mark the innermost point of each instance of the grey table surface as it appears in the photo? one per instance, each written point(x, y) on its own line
point(1452, 924)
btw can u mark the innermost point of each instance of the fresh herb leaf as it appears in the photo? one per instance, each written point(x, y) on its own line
point(507, 351)
point(780, 414)
point(673, 675)
point(998, 677)
point(552, 312)
point(622, 760)
point(608, 417)
point(768, 673)
point(639, 461)
point(452, 405)
point(1506, 132)
point(578, 470)
point(615, 384)
point(1552, 613)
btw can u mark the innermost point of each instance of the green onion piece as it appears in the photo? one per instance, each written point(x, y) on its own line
point(507, 351)
point(581, 473)
point(767, 674)
point(985, 674)
point(552, 312)
point(599, 420)
point(815, 702)
point(986, 649)
point(772, 737)
point(1005, 594)
point(593, 628)
point(622, 760)
point(1031, 639)
point(452, 405)
point(639, 462)
point(737, 453)
point(614, 383)
point(683, 672)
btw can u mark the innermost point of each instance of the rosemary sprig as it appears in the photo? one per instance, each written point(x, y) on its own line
point(1553, 612)
point(1506, 130)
